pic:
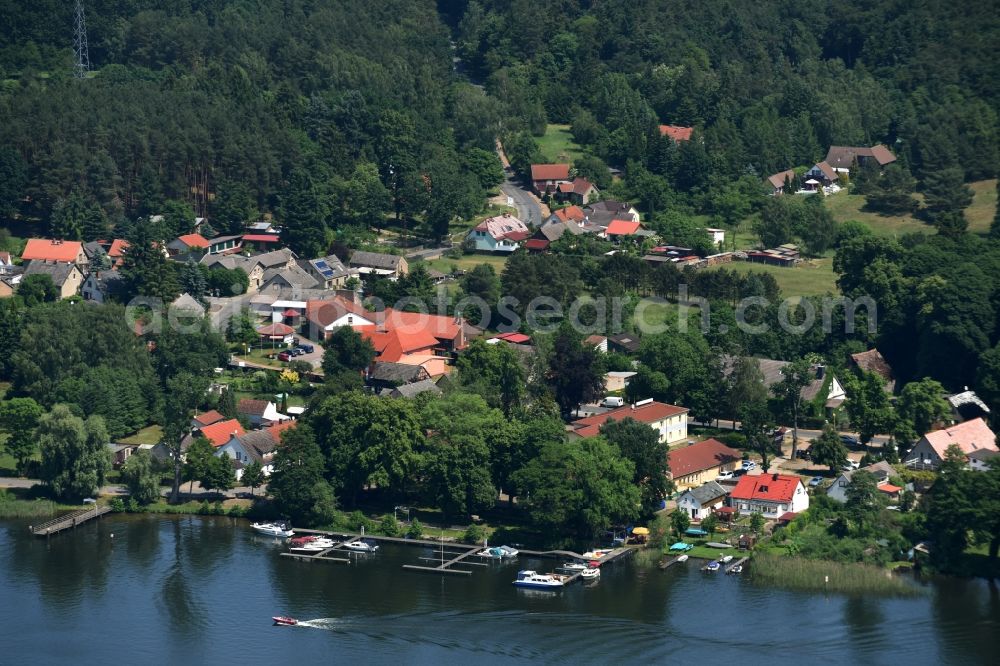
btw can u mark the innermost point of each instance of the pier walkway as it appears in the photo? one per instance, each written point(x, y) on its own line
point(69, 521)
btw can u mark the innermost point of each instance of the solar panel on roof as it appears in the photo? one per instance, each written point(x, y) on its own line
point(320, 264)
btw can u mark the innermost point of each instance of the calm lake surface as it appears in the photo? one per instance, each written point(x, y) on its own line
point(202, 590)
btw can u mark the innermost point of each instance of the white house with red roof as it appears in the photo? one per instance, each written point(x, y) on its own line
point(772, 495)
point(669, 421)
point(969, 436)
point(187, 244)
point(546, 178)
point(503, 233)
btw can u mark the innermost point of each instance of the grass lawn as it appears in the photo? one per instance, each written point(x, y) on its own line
point(811, 277)
point(6, 463)
point(468, 262)
point(148, 435)
point(846, 206)
point(557, 145)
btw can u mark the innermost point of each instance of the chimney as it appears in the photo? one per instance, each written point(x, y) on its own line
point(775, 477)
point(820, 371)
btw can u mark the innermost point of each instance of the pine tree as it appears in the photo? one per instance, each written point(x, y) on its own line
point(302, 216)
point(227, 404)
point(193, 281)
point(95, 223)
point(995, 227)
point(100, 262)
point(945, 192)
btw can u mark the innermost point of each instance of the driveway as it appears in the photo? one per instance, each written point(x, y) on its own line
point(528, 209)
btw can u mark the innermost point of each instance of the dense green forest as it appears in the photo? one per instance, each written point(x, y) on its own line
point(329, 112)
point(767, 85)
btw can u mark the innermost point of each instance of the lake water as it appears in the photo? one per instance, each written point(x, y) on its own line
point(202, 590)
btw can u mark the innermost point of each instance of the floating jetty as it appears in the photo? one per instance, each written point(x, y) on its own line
point(457, 555)
point(737, 563)
point(69, 521)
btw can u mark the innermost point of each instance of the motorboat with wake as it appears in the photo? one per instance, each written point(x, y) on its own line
point(279, 530)
point(282, 621)
point(533, 580)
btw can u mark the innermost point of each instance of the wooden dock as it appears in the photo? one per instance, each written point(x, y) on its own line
point(667, 563)
point(737, 563)
point(69, 521)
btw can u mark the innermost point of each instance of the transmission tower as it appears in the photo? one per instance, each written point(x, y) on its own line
point(82, 65)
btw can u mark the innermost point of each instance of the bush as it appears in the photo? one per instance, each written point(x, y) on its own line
point(415, 530)
point(237, 511)
point(117, 505)
point(358, 520)
point(474, 534)
point(736, 440)
point(205, 508)
point(389, 526)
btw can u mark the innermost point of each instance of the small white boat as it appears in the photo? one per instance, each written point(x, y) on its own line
point(682, 558)
point(727, 559)
point(313, 547)
point(509, 551)
point(573, 566)
point(590, 574)
point(535, 581)
point(362, 546)
point(738, 569)
point(273, 529)
point(596, 554)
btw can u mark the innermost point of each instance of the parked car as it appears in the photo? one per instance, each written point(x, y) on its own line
point(850, 465)
point(748, 465)
point(309, 349)
point(850, 441)
point(725, 476)
point(285, 356)
point(803, 454)
point(613, 401)
point(815, 481)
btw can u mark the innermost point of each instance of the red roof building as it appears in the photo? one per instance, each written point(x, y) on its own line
point(691, 466)
point(770, 494)
point(622, 228)
point(206, 419)
point(546, 177)
point(43, 249)
point(676, 132)
point(220, 433)
point(117, 249)
point(670, 421)
point(275, 331)
point(261, 238)
point(194, 241)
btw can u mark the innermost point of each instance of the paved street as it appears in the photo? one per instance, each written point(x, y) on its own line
point(197, 492)
point(528, 209)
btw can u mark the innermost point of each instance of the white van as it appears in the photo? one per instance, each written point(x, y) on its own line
point(613, 401)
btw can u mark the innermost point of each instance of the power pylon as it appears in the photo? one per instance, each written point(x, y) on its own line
point(82, 65)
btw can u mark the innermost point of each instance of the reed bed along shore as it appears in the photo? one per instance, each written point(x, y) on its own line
point(11, 507)
point(797, 573)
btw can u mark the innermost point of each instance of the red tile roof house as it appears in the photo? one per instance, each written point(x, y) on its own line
point(619, 229)
point(580, 191)
point(187, 244)
point(545, 178)
point(206, 419)
point(772, 495)
point(43, 249)
point(691, 466)
point(220, 432)
point(676, 132)
point(969, 437)
point(670, 421)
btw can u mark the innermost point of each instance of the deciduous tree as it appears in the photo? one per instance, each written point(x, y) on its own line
point(75, 454)
point(19, 418)
point(140, 477)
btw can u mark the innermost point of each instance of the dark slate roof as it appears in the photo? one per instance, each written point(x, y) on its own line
point(707, 493)
point(387, 262)
point(625, 341)
point(416, 388)
point(58, 270)
point(396, 373)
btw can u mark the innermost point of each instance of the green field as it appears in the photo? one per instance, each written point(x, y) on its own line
point(468, 262)
point(811, 277)
point(148, 435)
point(846, 206)
point(557, 145)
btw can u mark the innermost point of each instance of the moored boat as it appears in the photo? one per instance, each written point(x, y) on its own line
point(682, 558)
point(727, 559)
point(509, 551)
point(362, 546)
point(590, 574)
point(573, 566)
point(282, 621)
point(536, 581)
point(712, 566)
point(273, 529)
point(738, 569)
